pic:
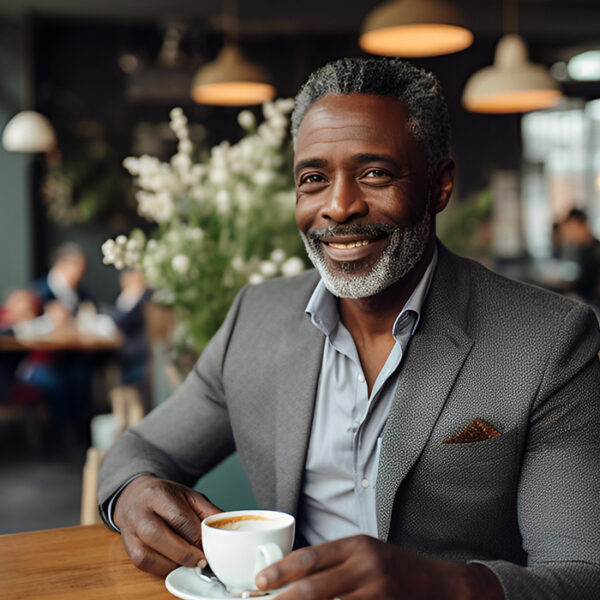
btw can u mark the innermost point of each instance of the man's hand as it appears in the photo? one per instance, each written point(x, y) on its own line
point(160, 523)
point(364, 568)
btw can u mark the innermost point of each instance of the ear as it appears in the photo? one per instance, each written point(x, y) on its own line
point(443, 184)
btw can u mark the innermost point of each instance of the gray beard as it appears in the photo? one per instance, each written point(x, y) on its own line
point(359, 279)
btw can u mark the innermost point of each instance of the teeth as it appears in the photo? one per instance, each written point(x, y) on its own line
point(350, 245)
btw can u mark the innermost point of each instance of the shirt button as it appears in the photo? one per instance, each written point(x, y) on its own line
point(361, 377)
point(365, 483)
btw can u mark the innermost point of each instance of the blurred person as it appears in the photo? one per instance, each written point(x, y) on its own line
point(21, 306)
point(128, 315)
point(64, 377)
point(576, 242)
point(432, 425)
point(63, 281)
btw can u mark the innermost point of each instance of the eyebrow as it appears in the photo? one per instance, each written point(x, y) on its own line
point(363, 157)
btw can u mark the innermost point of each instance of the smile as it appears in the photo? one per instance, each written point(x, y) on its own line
point(349, 244)
point(352, 249)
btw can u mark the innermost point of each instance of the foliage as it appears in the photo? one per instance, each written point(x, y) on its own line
point(221, 221)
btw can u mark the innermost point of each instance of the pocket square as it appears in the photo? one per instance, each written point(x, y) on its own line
point(476, 431)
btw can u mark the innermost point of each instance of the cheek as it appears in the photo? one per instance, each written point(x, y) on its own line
point(307, 210)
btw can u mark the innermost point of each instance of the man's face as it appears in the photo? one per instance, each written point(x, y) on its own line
point(363, 193)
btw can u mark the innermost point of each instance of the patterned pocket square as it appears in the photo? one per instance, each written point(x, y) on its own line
point(476, 431)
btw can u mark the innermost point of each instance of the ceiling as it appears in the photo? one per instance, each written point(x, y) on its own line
point(552, 19)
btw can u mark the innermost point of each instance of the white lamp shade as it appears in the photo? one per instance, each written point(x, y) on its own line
point(28, 131)
point(512, 84)
point(414, 28)
point(231, 80)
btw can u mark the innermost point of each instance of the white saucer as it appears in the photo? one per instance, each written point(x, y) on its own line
point(184, 583)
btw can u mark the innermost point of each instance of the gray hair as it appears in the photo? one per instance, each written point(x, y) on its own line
point(418, 90)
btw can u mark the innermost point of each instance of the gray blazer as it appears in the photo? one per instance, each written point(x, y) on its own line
point(525, 503)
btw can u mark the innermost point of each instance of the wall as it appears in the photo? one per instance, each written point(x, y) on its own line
point(15, 219)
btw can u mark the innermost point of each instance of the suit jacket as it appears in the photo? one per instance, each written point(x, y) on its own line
point(524, 503)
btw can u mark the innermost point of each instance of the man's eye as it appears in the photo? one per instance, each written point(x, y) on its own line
point(376, 174)
point(311, 178)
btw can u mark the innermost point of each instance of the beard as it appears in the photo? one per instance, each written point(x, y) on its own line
point(367, 277)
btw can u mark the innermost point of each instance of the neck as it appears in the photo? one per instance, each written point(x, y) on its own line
point(374, 316)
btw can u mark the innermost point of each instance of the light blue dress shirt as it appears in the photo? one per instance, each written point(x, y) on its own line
point(340, 477)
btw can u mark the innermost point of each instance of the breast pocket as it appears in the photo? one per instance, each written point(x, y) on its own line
point(456, 457)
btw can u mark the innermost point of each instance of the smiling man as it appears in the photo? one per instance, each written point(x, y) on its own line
point(432, 425)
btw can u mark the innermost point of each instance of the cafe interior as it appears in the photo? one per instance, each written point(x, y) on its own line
point(145, 177)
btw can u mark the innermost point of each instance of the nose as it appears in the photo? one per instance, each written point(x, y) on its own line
point(345, 202)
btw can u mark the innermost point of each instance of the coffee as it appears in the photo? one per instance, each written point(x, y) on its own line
point(242, 523)
point(240, 543)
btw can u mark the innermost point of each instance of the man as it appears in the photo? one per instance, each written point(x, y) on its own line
point(349, 399)
point(63, 281)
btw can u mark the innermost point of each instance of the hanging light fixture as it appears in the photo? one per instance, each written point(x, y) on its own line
point(414, 28)
point(29, 131)
point(512, 84)
point(231, 79)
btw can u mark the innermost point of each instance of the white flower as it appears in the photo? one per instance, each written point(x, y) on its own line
point(292, 266)
point(268, 268)
point(263, 177)
point(218, 175)
point(184, 147)
point(246, 119)
point(223, 200)
point(121, 240)
point(255, 278)
point(278, 256)
point(238, 264)
point(159, 207)
point(180, 263)
point(285, 105)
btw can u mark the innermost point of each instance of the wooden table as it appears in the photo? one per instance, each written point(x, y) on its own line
point(83, 563)
point(66, 339)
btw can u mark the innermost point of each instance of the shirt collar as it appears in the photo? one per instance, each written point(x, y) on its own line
point(323, 309)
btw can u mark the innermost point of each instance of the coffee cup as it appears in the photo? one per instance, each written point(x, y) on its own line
point(241, 543)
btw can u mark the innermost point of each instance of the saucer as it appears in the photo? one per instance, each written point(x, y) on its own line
point(184, 583)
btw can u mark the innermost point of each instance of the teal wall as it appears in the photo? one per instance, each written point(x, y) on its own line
point(15, 219)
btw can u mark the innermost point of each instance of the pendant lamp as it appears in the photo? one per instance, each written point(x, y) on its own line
point(29, 131)
point(231, 79)
point(512, 84)
point(414, 28)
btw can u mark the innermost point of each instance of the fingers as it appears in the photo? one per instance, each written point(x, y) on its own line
point(161, 523)
point(156, 534)
point(301, 563)
point(145, 558)
point(333, 583)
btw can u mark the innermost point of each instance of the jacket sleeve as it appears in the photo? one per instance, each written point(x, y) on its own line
point(559, 485)
point(186, 435)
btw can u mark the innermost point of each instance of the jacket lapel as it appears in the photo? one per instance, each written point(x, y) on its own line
point(300, 365)
point(433, 360)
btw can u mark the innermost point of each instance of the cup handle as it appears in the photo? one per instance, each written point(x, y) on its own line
point(266, 554)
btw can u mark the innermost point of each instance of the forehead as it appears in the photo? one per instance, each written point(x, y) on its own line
point(356, 123)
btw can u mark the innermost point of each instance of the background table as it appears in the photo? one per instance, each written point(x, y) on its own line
point(83, 563)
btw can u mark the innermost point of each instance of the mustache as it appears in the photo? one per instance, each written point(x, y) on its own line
point(371, 230)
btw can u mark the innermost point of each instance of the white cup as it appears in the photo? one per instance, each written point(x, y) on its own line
point(245, 543)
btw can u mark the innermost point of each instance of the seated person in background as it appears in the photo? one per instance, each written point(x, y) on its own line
point(576, 242)
point(128, 315)
point(21, 306)
point(63, 281)
point(432, 425)
point(63, 377)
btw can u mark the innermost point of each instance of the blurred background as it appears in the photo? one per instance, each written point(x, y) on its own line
point(115, 271)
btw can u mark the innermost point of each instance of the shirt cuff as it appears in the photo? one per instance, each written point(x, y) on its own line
point(110, 505)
